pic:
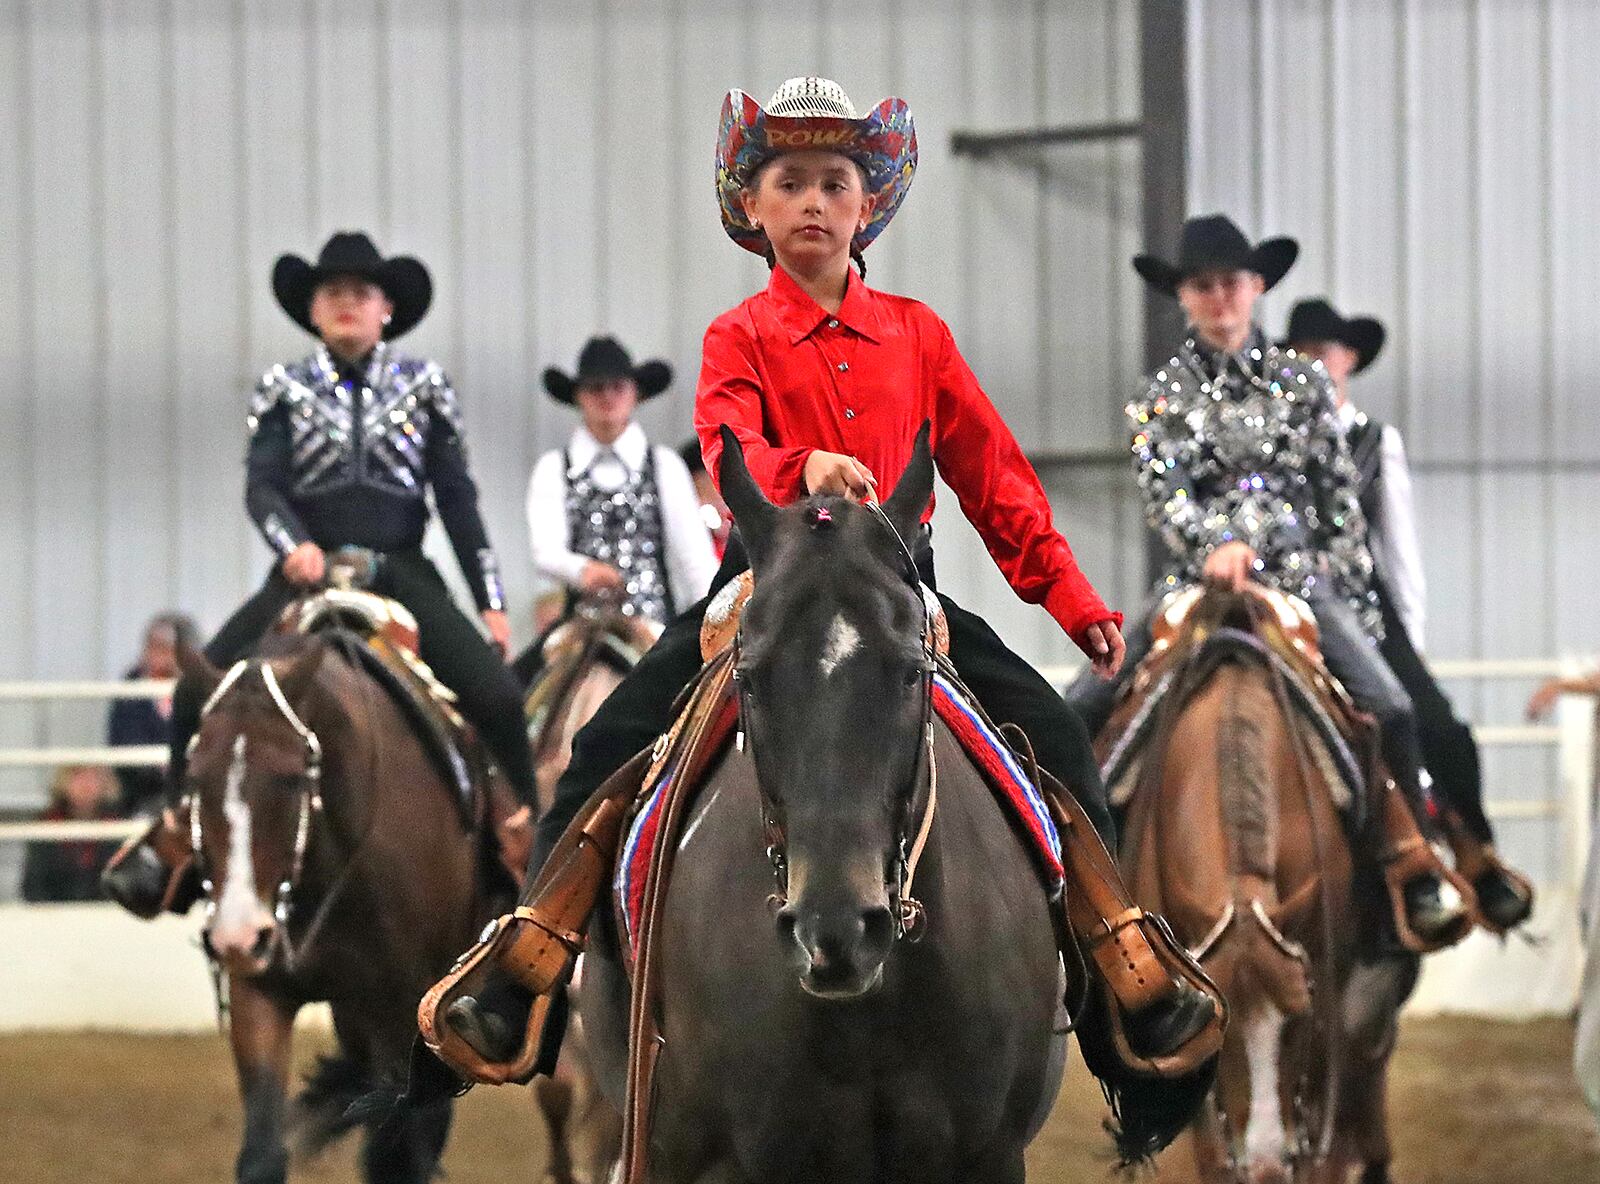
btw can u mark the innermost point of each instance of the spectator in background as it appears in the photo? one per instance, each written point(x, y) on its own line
point(713, 510)
point(149, 721)
point(63, 871)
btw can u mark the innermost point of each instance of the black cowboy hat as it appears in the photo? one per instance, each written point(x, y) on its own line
point(1212, 242)
point(603, 359)
point(1317, 320)
point(403, 279)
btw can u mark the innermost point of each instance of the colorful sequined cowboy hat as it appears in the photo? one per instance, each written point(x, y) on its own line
point(1213, 243)
point(1317, 320)
point(812, 113)
point(403, 279)
point(604, 360)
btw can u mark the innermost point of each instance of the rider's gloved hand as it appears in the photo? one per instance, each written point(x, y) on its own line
point(305, 565)
point(1231, 565)
point(840, 475)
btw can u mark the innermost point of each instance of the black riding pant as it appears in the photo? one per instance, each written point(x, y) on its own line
point(1448, 750)
point(640, 709)
point(448, 643)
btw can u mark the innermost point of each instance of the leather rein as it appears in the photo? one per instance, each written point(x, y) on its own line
point(912, 827)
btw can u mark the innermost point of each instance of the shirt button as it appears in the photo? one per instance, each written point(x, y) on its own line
point(833, 324)
point(849, 414)
point(843, 366)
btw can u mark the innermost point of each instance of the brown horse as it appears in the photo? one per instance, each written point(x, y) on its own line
point(1235, 834)
point(338, 867)
point(587, 657)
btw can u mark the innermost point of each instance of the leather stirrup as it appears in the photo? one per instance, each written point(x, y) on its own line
point(537, 943)
point(1405, 855)
point(167, 837)
point(1137, 957)
point(1473, 858)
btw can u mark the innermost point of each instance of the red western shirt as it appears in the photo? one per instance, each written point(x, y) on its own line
point(789, 379)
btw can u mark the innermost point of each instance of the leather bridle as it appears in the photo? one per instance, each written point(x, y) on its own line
point(310, 792)
point(911, 826)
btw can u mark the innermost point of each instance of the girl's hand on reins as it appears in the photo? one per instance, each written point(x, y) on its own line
point(1106, 648)
point(305, 565)
point(840, 475)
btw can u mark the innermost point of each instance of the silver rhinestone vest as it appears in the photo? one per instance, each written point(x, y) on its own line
point(623, 527)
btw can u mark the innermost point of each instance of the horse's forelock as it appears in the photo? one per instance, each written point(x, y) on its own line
point(849, 562)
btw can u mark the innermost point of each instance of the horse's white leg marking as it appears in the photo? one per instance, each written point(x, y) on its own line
point(1264, 1135)
point(237, 908)
point(699, 816)
point(843, 640)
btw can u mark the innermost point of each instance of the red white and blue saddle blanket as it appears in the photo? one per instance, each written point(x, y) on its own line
point(1013, 788)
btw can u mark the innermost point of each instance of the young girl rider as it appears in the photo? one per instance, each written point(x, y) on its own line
point(826, 382)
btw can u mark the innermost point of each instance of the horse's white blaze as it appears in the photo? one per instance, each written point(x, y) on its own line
point(843, 640)
point(1264, 1137)
point(238, 910)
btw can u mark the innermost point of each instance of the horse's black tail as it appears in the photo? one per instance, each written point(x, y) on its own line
point(1147, 1112)
point(330, 1105)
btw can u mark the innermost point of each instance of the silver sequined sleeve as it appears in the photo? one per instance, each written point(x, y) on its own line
point(269, 468)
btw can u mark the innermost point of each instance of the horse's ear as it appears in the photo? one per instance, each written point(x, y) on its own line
point(752, 513)
point(196, 668)
point(295, 675)
point(905, 506)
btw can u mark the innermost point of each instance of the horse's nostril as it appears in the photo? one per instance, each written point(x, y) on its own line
point(877, 925)
point(263, 943)
point(786, 924)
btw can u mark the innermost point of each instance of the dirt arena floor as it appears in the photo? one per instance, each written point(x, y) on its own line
point(1475, 1103)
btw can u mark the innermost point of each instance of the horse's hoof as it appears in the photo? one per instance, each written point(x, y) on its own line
point(1166, 1026)
point(1434, 910)
point(490, 1034)
point(1503, 902)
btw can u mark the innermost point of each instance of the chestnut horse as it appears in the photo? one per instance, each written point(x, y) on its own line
point(1234, 835)
point(338, 867)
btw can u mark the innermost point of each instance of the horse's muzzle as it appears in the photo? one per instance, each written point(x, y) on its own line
point(244, 950)
point(840, 952)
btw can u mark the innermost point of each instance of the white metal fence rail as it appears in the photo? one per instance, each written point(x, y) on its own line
point(1570, 804)
point(149, 756)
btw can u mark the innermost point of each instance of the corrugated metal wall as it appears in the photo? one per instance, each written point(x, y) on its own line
point(1434, 157)
point(551, 163)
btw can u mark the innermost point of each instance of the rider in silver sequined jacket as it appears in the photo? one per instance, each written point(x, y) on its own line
point(1248, 477)
point(1247, 446)
point(344, 456)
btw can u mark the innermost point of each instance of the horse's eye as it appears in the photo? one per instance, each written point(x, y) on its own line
point(914, 676)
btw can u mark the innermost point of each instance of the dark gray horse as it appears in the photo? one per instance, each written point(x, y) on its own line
point(808, 1042)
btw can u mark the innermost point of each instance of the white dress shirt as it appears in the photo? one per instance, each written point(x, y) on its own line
point(691, 558)
point(1396, 547)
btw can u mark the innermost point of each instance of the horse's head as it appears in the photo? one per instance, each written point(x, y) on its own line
point(253, 780)
point(834, 675)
